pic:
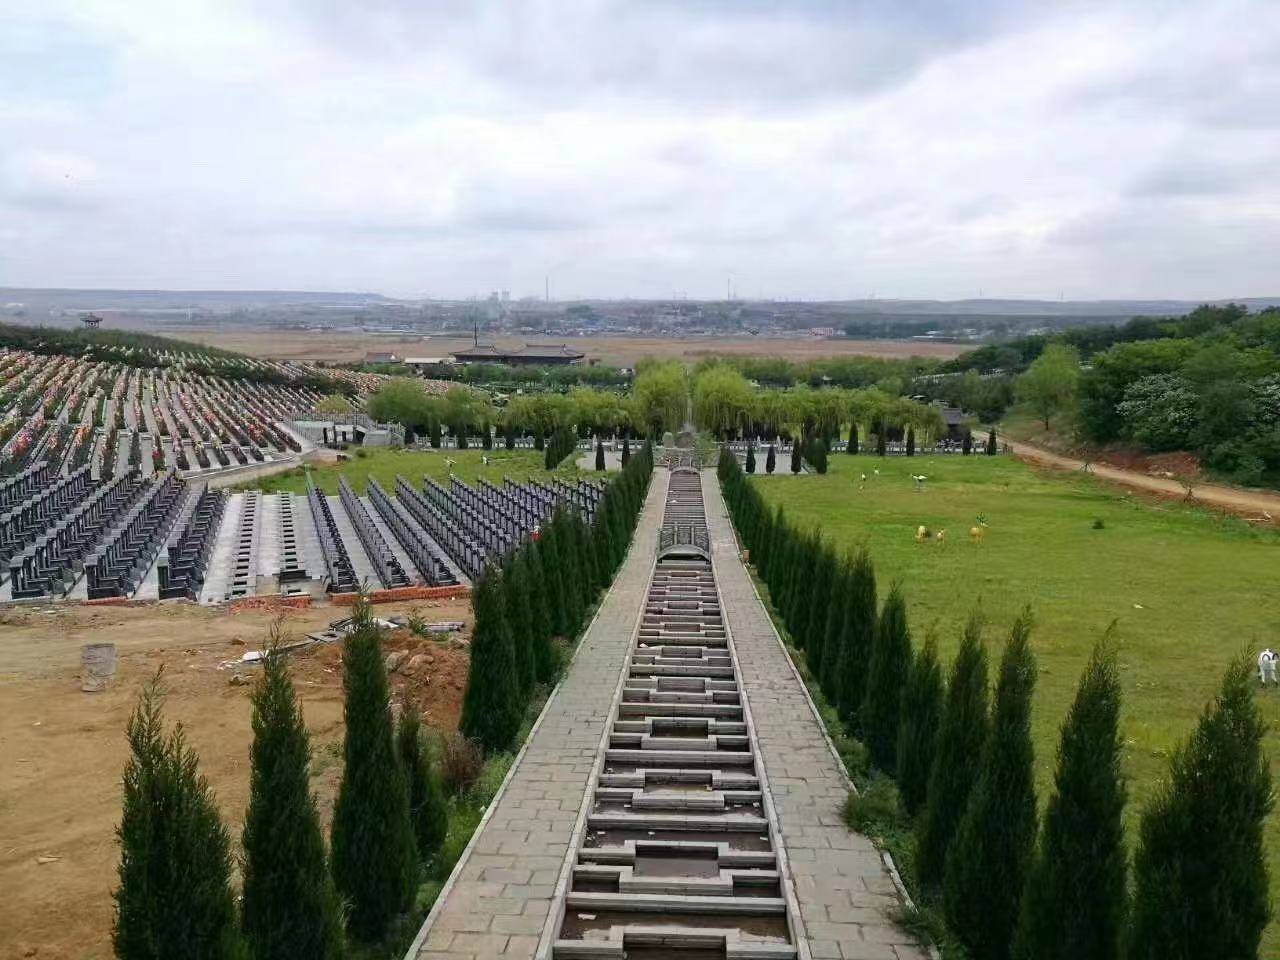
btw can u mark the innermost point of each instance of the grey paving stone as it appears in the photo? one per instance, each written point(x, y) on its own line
point(504, 890)
point(830, 865)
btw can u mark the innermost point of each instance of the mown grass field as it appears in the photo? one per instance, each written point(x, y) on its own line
point(1187, 589)
point(384, 463)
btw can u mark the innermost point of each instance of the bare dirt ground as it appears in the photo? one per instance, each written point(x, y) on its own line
point(1159, 475)
point(62, 751)
point(622, 351)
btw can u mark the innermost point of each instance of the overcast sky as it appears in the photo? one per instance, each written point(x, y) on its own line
point(901, 148)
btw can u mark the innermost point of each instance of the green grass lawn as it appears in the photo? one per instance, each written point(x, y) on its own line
point(384, 463)
point(1187, 589)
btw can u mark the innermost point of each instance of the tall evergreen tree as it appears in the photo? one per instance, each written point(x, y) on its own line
point(986, 869)
point(428, 808)
point(833, 641)
point(880, 444)
point(374, 854)
point(822, 599)
point(852, 448)
point(911, 441)
point(174, 899)
point(887, 676)
point(1200, 870)
point(515, 593)
point(922, 702)
point(492, 706)
point(751, 458)
point(626, 451)
point(291, 908)
point(571, 566)
point(955, 764)
point(1074, 907)
point(599, 454)
point(553, 579)
point(797, 460)
point(771, 460)
point(540, 627)
point(803, 609)
point(859, 634)
point(991, 443)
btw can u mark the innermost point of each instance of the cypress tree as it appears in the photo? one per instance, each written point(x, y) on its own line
point(802, 602)
point(553, 578)
point(751, 458)
point(515, 594)
point(1075, 903)
point(509, 436)
point(545, 661)
point(857, 639)
point(1200, 870)
point(374, 855)
point(797, 461)
point(428, 808)
point(880, 444)
point(492, 706)
point(291, 908)
point(174, 899)
point(955, 764)
point(599, 454)
point(966, 446)
point(986, 869)
point(770, 460)
point(572, 571)
point(592, 580)
point(833, 641)
point(887, 676)
point(918, 728)
point(991, 443)
point(823, 598)
point(852, 448)
point(911, 441)
point(626, 451)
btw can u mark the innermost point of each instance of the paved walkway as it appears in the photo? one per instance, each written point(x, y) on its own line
point(845, 892)
point(499, 901)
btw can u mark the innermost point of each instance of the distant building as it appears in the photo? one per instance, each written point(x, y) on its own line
point(419, 364)
point(379, 357)
point(823, 331)
point(531, 354)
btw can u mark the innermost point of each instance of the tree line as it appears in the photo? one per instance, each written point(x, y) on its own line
point(656, 403)
point(175, 898)
point(1208, 382)
point(1008, 883)
point(530, 608)
point(729, 406)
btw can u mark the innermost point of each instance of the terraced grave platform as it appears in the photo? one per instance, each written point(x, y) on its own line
point(679, 798)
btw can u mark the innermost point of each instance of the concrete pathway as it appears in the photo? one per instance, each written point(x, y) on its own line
point(846, 893)
point(498, 899)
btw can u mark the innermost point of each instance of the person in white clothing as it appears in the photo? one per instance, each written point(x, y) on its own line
point(1267, 666)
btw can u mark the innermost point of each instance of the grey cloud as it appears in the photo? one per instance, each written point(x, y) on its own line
point(766, 55)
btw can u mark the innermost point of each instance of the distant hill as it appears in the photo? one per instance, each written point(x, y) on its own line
point(38, 301)
point(1044, 308)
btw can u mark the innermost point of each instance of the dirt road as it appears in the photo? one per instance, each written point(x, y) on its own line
point(1247, 503)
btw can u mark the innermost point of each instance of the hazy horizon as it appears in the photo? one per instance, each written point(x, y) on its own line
point(1001, 149)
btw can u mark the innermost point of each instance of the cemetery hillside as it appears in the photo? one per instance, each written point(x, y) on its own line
point(741, 657)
